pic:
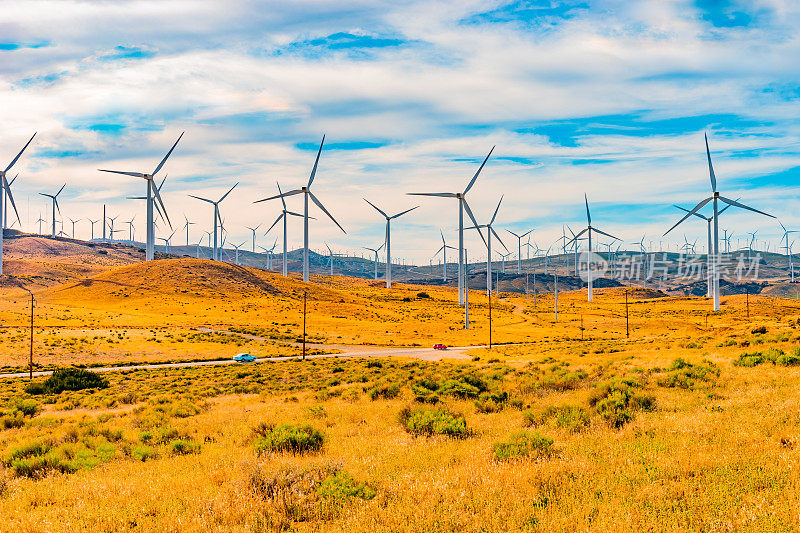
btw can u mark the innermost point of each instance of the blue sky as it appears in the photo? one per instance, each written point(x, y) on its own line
point(607, 98)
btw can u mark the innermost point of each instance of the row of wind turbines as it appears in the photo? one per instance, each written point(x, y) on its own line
point(155, 204)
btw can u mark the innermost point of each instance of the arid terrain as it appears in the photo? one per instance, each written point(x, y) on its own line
point(657, 415)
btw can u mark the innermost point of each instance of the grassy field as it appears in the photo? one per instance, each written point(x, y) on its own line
point(689, 424)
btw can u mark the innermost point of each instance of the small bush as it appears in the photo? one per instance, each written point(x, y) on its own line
point(749, 359)
point(571, 417)
point(431, 421)
point(296, 439)
point(423, 295)
point(492, 402)
point(28, 408)
point(684, 375)
point(341, 487)
point(616, 401)
point(760, 330)
point(524, 444)
point(459, 388)
point(68, 379)
point(183, 447)
point(143, 453)
point(384, 392)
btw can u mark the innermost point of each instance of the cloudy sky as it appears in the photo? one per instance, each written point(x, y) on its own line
point(610, 98)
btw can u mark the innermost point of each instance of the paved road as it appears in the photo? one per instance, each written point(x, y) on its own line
point(344, 351)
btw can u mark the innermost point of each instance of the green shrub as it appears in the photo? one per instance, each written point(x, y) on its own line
point(143, 453)
point(296, 439)
point(183, 447)
point(760, 330)
point(384, 392)
point(684, 375)
point(524, 444)
point(491, 402)
point(571, 417)
point(185, 409)
point(341, 487)
point(429, 421)
point(792, 359)
point(40, 465)
point(459, 388)
point(749, 359)
point(616, 401)
point(562, 379)
point(68, 379)
point(28, 407)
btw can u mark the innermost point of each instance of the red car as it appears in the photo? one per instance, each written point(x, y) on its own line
point(439, 346)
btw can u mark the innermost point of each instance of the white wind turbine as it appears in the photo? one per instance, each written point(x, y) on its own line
point(283, 216)
point(443, 249)
point(462, 206)
point(388, 240)
point(5, 188)
point(519, 248)
point(167, 241)
point(152, 193)
point(785, 236)
point(236, 247)
point(489, 232)
point(331, 255)
point(111, 229)
point(40, 221)
point(186, 226)
point(376, 250)
point(306, 192)
point(715, 198)
point(4, 198)
point(92, 222)
point(54, 199)
point(217, 254)
point(73, 225)
point(589, 229)
point(254, 235)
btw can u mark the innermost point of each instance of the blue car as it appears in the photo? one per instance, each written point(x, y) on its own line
point(244, 358)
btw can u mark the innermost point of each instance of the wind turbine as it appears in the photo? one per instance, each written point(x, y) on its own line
point(167, 241)
point(6, 189)
point(217, 255)
point(785, 237)
point(388, 240)
point(236, 247)
point(519, 248)
point(152, 192)
point(443, 249)
point(503, 261)
point(282, 216)
point(376, 250)
point(40, 222)
point(589, 229)
point(73, 225)
point(462, 206)
point(5, 198)
point(489, 232)
point(92, 222)
point(130, 228)
point(306, 191)
point(186, 225)
point(254, 235)
point(716, 198)
point(331, 255)
point(54, 198)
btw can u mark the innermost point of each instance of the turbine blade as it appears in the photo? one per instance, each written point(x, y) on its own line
point(11, 197)
point(588, 216)
point(498, 237)
point(472, 217)
point(163, 207)
point(475, 177)
point(575, 237)
point(737, 204)
point(379, 210)
point(61, 189)
point(134, 174)
point(167, 156)
point(687, 215)
point(440, 194)
point(227, 193)
point(281, 196)
point(203, 199)
point(280, 193)
point(404, 212)
point(319, 204)
point(13, 161)
point(514, 234)
point(496, 210)
point(316, 162)
point(698, 215)
point(606, 234)
point(274, 223)
point(710, 166)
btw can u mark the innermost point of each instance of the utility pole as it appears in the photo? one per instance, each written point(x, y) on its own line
point(466, 292)
point(627, 323)
point(747, 300)
point(305, 294)
point(555, 293)
point(490, 320)
point(30, 360)
point(582, 328)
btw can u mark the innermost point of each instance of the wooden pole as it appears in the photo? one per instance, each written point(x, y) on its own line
point(490, 320)
point(627, 322)
point(305, 294)
point(747, 300)
point(30, 362)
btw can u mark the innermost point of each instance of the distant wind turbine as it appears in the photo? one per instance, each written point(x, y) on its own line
point(443, 249)
point(388, 240)
point(375, 251)
point(54, 198)
point(589, 229)
point(306, 192)
point(519, 248)
point(254, 236)
point(217, 255)
point(152, 192)
point(283, 216)
point(489, 232)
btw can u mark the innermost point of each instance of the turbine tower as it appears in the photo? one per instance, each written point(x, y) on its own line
point(306, 191)
point(388, 240)
point(152, 192)
point(217, 254)
point(54, 198)
point(376, 250)
point(589, 229)
point(6, 189)
point(519, 248)
point(254, 237)
point(462, 206)
point(715, 198)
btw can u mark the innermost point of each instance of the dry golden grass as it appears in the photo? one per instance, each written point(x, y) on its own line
point(714, 453)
